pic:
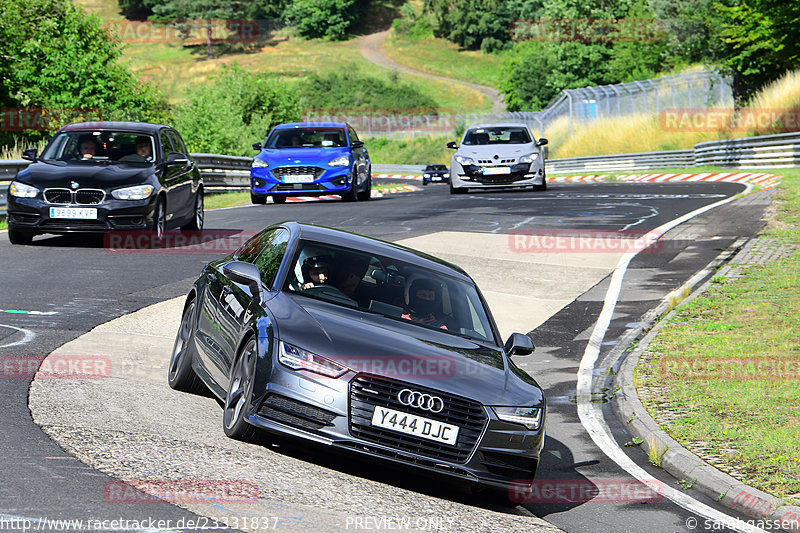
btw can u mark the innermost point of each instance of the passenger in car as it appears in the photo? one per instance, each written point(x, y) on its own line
point(349, 274)
point(425, 303)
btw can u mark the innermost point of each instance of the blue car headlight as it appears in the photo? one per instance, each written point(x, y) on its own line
point(530, 417)
point(259, 163)
point(342, 161)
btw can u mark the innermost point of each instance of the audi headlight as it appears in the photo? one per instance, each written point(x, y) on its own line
point(339, 161)
point(530, 417)
point(137, 192)
point(464, 160)
point(21, 190)
point(259, 163)
point(530, 158)
point(299, 359)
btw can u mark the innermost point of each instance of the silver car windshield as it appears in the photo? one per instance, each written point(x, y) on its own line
point(101, 146)
point(309, 137)
point(497, 135)
point(394, 289)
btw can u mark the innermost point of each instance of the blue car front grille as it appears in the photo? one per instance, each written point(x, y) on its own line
point(280, 172)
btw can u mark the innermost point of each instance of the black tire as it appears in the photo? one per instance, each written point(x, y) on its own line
point(279, 198)
point(453, 190)
point(424, 183)
point(198, 216)
point(16, 236)
point(352, 194)
point(159, 224)
point(258, 199)
point(366, 194)
point(543, 186)
point(240, 389)
point(180, 374)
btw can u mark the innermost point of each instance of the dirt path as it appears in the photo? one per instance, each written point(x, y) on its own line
point(371, 46)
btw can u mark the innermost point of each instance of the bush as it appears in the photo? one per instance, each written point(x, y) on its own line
point(235, 110)
point(331, 19)
point(350, 89)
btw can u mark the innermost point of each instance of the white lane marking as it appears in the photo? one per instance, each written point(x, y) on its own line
point(591, 416)
point(28, 336)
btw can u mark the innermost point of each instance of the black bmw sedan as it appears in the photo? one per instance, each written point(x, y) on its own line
point(362, 345)
point(101, 176)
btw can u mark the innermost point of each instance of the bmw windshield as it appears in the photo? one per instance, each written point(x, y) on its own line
point(309, 137)
point(101, 146)
point(392, 288)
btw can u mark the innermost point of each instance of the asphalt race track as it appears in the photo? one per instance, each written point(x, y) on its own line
point(60, 288)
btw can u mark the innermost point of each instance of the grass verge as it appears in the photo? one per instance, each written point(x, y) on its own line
point(722, 376)
point(3, 223)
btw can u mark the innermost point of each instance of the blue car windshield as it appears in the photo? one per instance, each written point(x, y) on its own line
point(308, 137)
point(395, 289)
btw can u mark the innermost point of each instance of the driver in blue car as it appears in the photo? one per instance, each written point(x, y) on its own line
point(425, 304)
point(316, 271)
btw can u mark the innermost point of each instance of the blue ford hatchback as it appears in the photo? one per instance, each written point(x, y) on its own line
point(310, 159)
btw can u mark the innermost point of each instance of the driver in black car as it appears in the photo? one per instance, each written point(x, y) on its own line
point(316, 271)
point(425, 304)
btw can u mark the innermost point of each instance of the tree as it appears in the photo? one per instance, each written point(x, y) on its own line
point(187, 11)
point(331, 19)
point(233, 111)
point(56, 57)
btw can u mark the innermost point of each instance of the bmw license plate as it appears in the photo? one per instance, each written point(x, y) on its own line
point(298, 178)
point(75, 213)
point(415, 425)
point(493, 171)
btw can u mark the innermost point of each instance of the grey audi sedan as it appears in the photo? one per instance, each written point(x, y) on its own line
point(495, 156)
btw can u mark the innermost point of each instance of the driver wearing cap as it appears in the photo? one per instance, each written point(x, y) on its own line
point(316, 271)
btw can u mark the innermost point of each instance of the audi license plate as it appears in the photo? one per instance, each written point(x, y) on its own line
point(492, 171)
point(415, 425)
point(298, 178)
point(78, 213)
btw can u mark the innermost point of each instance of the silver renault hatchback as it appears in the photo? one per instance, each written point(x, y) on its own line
point(495, 156)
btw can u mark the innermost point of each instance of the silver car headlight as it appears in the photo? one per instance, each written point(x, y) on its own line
point(137, 192)
point(21, 190)
point(299, 359)
point(529, 158)
point(530, 417)
point(464, 160)
point(339, 161)
point(259, 163)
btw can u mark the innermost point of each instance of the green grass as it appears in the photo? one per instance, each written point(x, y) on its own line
point(433, 55)
point(747, 420)
point(3, 223)
point(420, 151)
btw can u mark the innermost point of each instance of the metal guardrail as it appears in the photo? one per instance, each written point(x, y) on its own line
point(766, 151)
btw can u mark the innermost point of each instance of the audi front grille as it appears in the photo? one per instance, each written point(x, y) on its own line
point(367, 392)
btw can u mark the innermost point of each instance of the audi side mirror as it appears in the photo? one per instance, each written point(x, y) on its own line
point(246, 274)
point(519, 344)
point(29, 154)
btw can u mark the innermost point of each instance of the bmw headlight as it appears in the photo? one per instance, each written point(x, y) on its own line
point(259, 163)
point(339, 161)
point(464, 160)
point(530, 158)
point(530, 417)
point(21, 190)
point(426, 175)
point(299, 359)
point(137, 192)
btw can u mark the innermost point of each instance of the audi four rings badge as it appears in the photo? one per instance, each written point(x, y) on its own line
point(427, 402)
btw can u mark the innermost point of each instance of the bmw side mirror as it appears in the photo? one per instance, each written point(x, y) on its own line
point(541, 142)
point(246, 274)
point(257, 146)
point(177, 158)
point(358, 144)
point(453, 145)
point(519, 344)
point(29, 154)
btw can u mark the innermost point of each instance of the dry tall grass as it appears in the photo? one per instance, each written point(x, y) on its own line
point(775, 109)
